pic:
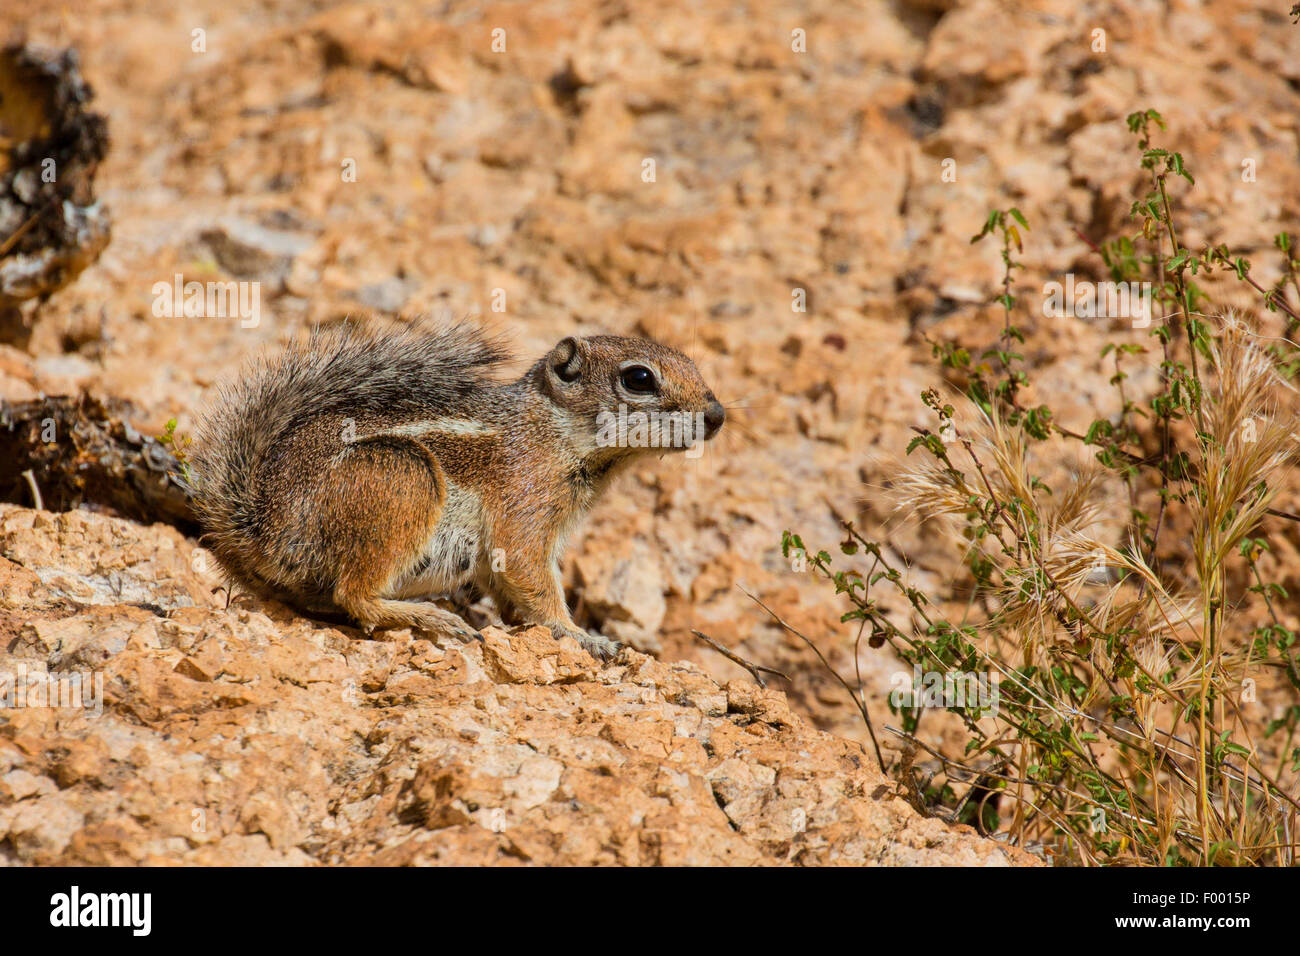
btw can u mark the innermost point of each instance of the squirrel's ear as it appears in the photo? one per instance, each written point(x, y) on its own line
point(566, 360)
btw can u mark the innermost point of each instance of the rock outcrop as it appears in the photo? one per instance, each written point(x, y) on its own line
point(250, 735)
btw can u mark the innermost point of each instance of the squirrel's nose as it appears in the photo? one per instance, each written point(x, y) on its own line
point(714, 416)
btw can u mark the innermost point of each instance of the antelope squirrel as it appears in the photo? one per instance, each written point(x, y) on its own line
point(367, 472)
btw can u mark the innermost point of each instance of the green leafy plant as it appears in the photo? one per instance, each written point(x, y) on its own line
point(178, 444)
point(1125, 658)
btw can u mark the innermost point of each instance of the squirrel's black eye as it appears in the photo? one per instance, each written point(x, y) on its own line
point(638, 378)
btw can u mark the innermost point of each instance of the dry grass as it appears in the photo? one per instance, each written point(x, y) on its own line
point(1124, 693)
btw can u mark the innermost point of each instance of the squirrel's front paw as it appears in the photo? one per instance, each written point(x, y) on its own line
point(597, 645)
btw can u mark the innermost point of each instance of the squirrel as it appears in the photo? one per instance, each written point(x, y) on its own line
point(367, 472)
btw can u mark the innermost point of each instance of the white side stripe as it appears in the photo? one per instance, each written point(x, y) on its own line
point(443, 426)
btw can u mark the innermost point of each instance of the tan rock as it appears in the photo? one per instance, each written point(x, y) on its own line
point(625, 594)
point(533, 656)
point(228, 738)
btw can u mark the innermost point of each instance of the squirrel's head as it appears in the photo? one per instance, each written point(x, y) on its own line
point(619, 396)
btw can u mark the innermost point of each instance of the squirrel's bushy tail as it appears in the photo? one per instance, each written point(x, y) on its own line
point(348, 371)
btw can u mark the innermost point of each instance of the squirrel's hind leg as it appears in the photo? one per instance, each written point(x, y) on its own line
point(380, 504)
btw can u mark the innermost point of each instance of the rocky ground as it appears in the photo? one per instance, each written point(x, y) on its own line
point(384, 159)
point(258, 737)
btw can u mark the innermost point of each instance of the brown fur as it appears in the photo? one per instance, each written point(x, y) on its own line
point(357, 472)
